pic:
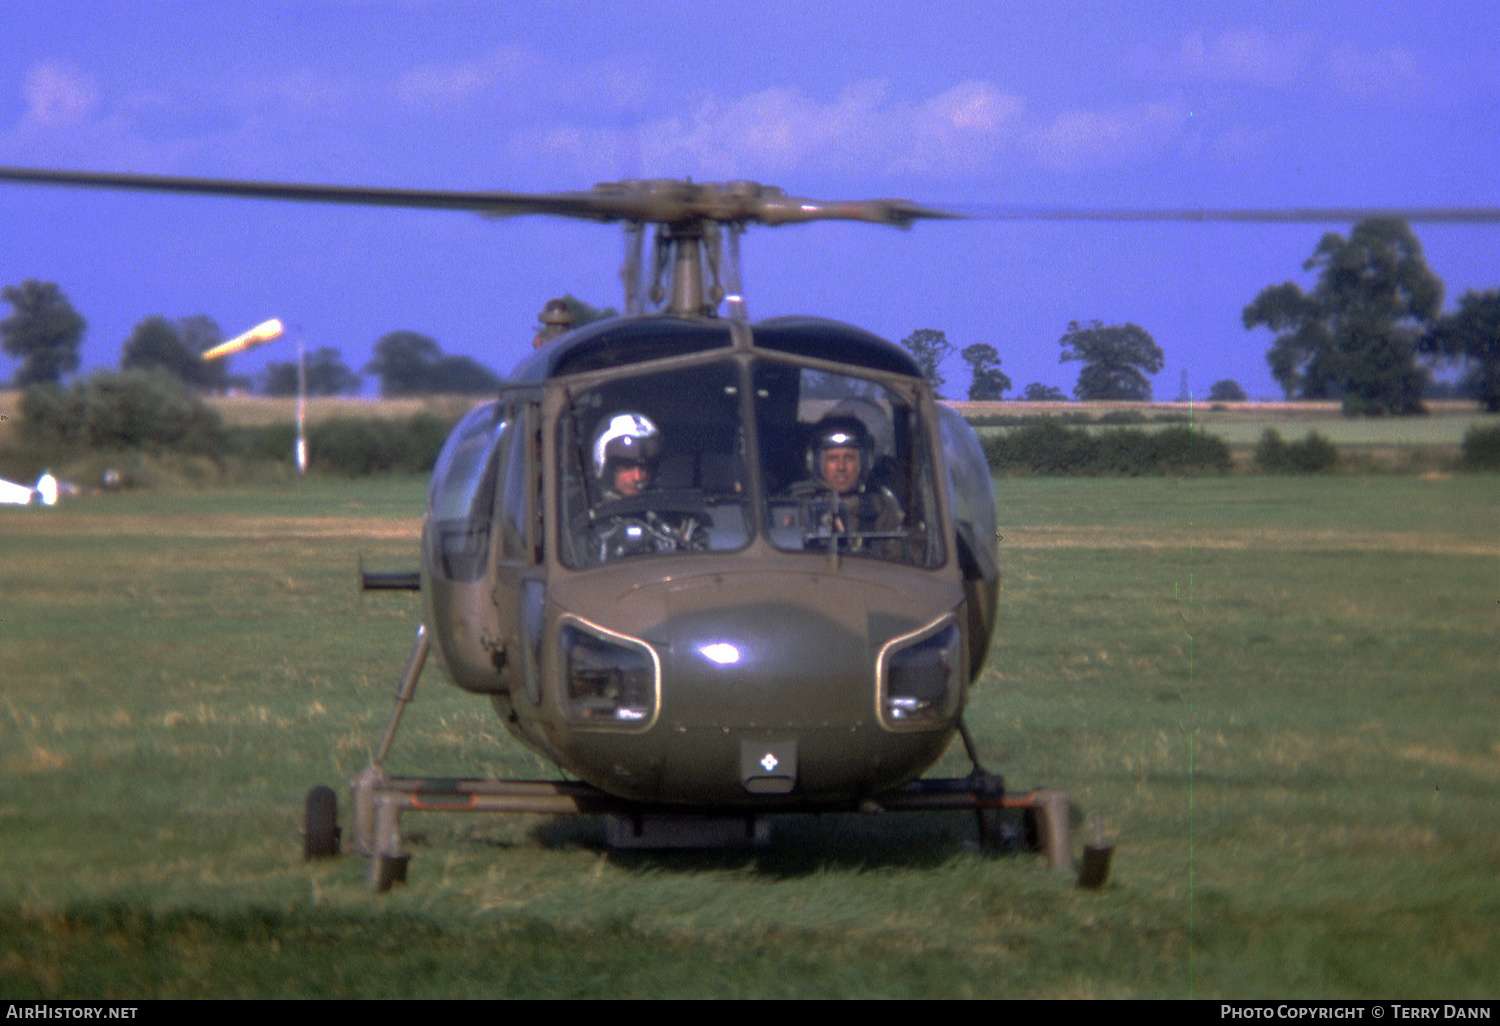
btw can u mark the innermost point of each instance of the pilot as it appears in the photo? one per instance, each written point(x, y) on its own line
point(842, 455)
point(625, 450)
point(624, 453)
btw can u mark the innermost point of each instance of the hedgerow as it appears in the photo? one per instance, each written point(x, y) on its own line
point(1314, 454)
point(1481, 449)
point(1046, 448)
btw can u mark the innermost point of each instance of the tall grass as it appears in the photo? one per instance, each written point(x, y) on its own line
point(1278, 694)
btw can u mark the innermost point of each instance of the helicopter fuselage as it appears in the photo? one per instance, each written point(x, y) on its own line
point(736, 633)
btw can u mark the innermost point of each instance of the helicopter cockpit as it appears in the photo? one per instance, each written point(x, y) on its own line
point(691, 491)
point(714, 470)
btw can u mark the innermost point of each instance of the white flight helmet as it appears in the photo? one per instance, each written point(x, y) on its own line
point(625, 436)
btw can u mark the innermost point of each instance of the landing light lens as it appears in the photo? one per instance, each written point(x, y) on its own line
point(920, 680)
point(608, 681)
point(721, 652)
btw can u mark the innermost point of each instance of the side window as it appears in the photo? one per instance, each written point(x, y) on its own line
point(461, 500)
point(518, 483)
point(973, 495)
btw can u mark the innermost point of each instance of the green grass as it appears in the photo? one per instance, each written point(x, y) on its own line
point(1278, 694)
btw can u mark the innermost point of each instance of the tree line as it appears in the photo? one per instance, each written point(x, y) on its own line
point(1367, 334)
point(44, 332)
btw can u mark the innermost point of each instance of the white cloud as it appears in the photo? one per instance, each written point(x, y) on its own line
point(963, 129)
point(771, 130)
point(1391, 73)
point(462, 81)
point(1083, 139)
point(1256, 57)
point(58, 96)
point(781, 129)
point(1247, 55)
point(522, 79)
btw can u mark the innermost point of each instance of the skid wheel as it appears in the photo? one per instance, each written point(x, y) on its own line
point(388, 870)
point(999, 831)
point(1003, 832)
point(1031, 831)
point(320, 838)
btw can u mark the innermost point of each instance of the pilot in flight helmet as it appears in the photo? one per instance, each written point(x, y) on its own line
point(625, 437)
point(840, 432)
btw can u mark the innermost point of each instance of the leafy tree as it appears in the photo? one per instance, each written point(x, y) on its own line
point(1036, 392)
point(200, 333)
point(1481, 449)
point(1226, 391)
point(929, 348)
point(1473, 336)
point(43, 331)
point(135, 409)
point(402, 360)
point(462, 375)
point(177, 348)
point(1116, 360)
point(1314, 454)
point(327, 374)
point(409, 363)
point(1355, 335)
point(987, 381)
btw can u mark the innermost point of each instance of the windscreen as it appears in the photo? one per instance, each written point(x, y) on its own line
point(659, 463)
point(846, 466)
point(654, 464)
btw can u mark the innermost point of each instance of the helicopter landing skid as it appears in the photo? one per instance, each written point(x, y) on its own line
point(1035, 820)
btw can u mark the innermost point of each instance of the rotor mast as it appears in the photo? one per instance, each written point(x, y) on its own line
point(698, 226)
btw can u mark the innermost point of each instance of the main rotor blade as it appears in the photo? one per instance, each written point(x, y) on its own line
point(672, 201)
point(1238, 215)
point(658, 202)
point(501, 204)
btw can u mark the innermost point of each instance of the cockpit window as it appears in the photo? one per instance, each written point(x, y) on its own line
point(659, 463)
point(846, 466)
point(654, 464)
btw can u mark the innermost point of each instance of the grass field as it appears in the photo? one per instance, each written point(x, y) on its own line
point(1279, 694)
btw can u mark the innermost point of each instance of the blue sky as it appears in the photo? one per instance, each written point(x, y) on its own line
point(1095, 104)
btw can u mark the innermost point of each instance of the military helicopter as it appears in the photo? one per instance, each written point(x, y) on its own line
point(713, 569)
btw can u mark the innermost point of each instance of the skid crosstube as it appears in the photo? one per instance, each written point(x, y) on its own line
point(380, 800)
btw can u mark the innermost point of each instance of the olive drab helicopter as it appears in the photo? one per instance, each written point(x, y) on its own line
point(712, 568)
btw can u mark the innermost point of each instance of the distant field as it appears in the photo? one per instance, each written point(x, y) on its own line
point(1279, 694)
point(1242, 424)
point(257, 410)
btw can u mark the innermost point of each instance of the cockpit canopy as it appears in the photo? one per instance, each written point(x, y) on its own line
point(738, 457)
point(810, 438)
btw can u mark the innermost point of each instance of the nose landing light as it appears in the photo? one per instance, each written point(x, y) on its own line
point(721, 652)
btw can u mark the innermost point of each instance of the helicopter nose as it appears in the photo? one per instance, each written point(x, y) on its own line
point(765, 665)
point(768, 689)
